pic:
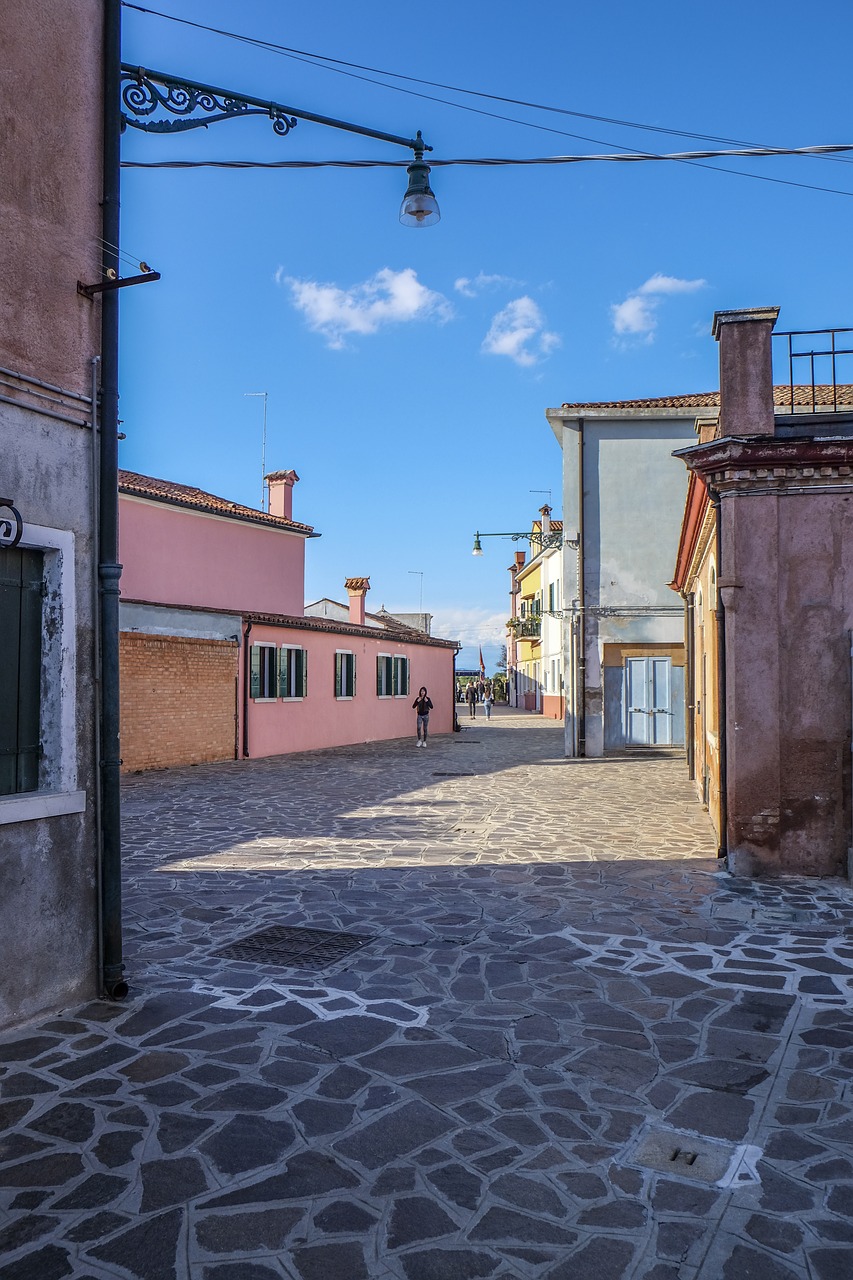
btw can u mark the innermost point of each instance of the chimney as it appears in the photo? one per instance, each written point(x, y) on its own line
point(519, 560)
point(545, 513)
point(281, 493)
point(746, 370)
point(357, 589)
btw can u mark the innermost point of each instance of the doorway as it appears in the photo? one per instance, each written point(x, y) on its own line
point(648, 702)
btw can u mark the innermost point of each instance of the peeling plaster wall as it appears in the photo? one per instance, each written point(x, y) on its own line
point(50, 157)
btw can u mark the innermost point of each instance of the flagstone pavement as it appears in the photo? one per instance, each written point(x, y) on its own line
point(548, 1038)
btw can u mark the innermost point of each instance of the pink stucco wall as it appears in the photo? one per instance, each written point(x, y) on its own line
point(50, 160)
point(180, 557)
point(321, 720)
point(788, 623)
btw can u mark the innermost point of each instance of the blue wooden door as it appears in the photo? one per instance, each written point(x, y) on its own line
point(648, 702)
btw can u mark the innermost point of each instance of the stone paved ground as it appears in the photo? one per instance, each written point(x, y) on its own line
point(570, 1049)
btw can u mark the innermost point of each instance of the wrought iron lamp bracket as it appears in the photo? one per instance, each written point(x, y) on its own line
point(142, 95)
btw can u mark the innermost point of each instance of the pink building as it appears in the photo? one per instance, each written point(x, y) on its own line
point(764, 565)
point(219, 659)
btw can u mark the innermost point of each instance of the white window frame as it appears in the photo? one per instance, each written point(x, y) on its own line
point(385, 659)
point(267, 644)
point(288, 649)
point(400, 657)
point(344, 653)
point(58, 792)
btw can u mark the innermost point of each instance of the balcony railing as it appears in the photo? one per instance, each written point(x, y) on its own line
point(815, 386)
point(526, 627)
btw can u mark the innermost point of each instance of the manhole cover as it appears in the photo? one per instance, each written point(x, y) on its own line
point(295, 948)
point(466, 742)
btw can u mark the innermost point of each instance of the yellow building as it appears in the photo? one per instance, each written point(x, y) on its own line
point(536, 626)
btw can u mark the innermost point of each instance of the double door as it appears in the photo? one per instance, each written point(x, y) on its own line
point(648, 702)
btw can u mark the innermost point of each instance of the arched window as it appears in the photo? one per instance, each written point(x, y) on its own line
point(712, 588)
point(700, 611)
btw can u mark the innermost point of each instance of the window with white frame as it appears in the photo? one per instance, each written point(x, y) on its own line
point(21, 594)
point(263, 685)
point(293, 673)
point(384, 675)
point(401, 676)
point(39, 727)
point(344, 674)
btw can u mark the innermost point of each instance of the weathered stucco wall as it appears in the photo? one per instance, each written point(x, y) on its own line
point(788, 618)
point(50, 158)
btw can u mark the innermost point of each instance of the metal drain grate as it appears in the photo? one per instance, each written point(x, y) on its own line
point(454, 775)
point(293, 948)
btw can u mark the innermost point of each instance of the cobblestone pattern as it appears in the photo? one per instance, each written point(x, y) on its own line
point(566, 1001)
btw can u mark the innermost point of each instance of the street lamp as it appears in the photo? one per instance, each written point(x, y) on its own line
point(544, 541)
point(145, 94)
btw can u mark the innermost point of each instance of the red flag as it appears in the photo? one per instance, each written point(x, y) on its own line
point(482, 663)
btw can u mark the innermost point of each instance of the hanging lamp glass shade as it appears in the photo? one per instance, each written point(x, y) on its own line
point(419, 207)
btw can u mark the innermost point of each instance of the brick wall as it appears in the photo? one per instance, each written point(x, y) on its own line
point(178, 700)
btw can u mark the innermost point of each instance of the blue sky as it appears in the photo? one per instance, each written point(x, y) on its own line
point(408, 371)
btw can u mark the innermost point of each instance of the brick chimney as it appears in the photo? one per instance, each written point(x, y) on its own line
point(357, 589)
point(746, 370)
point(281, 492)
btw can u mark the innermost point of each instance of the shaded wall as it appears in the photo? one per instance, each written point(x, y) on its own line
point(50, 159)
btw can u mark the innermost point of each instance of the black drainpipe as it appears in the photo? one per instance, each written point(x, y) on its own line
point(580, 703)
point(247, 679)
point(109, 570)
point(690, 642)
point(720, 616)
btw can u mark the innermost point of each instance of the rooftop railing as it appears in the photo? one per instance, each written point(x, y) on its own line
point(815, 387)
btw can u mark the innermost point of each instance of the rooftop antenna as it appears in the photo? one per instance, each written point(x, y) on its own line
point(418, 573)
point(548, 491)
point(265, 396)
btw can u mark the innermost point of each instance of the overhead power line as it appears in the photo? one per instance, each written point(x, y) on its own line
point(351, 69)
point(504, 162)
point(318, 58)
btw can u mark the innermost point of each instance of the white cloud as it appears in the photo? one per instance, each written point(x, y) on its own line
point(670, 284)
point(636, 316)
point(469, 288)
point(518, 331)
point(470, 626)
point(389, 297)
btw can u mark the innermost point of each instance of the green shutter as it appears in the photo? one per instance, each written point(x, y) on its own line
point(338, 674)
point(405, 674)
point(395, 675)
point(284, 674)
point(21, 589)
point(303, 672)
point(255, 680)
point(352, 675)
point(380, 677)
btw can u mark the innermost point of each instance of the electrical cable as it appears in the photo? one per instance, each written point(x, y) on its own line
point(684, 158)
point(316, 59)
point(504, 162)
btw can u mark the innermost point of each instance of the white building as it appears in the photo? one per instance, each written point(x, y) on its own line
point(623, 632)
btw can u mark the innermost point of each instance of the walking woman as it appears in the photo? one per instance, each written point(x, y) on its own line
point(423, 705)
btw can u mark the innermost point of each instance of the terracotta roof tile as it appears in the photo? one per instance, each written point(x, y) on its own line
point(711, 399)
point(184, 495)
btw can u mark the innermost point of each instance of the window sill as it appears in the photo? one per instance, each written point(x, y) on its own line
point(343, 697)
point(291, 699)
point(40, 804)
point(265, 699)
